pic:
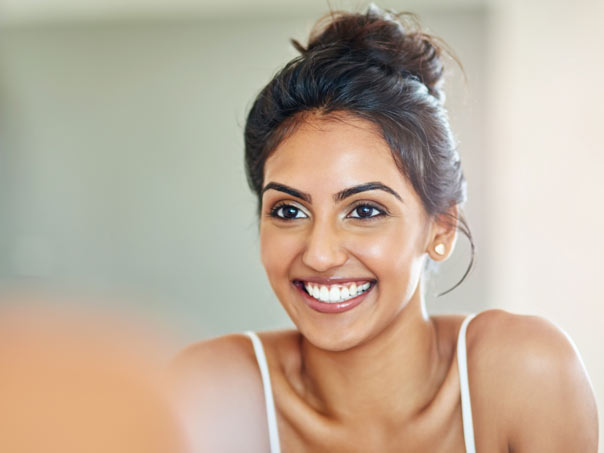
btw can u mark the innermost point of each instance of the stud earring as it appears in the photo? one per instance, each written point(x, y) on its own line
point(440, 249)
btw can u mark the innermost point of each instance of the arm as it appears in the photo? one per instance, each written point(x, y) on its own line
point(531, 372)
point(557, 410)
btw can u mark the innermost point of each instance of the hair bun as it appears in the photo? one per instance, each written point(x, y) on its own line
point(393, 41)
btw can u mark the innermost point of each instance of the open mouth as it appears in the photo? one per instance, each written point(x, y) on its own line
point(336, 293)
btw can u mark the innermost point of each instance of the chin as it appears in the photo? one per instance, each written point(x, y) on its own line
point(332, 341)
point(335, 333)
point(339, 334)
point(338, 331)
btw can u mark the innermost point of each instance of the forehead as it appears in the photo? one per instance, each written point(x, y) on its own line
point(336, 152)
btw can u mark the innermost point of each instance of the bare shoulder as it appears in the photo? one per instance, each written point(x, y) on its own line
point(526, 372)
point(228, 357)
point(519, 337)
point(216, 385)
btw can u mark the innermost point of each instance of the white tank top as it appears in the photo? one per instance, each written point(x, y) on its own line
point(462, 365)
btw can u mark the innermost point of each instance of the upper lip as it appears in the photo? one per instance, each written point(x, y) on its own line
point(334, 280)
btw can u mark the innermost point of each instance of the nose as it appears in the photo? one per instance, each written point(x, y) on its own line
point(324, 247)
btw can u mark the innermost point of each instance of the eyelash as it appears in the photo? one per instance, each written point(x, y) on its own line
point(381, 212)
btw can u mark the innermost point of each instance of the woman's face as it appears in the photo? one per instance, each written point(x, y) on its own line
point(343, 233)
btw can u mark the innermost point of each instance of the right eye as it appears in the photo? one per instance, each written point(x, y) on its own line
point(287, 212)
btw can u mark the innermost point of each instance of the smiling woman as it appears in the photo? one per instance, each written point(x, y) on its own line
point(359, 187)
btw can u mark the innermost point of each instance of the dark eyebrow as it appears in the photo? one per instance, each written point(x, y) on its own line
point(288, 190)
point(364, 188)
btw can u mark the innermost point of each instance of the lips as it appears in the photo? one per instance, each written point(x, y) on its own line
point(334, 296)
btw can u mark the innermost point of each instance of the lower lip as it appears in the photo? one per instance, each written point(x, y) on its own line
point(336, 307)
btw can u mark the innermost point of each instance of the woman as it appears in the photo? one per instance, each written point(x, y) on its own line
point(359, 187)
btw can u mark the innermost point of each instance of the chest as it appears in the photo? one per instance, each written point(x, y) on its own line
point(438, 432)
point(440, 428)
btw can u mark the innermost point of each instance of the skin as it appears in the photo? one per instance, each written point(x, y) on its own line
point(383, 375)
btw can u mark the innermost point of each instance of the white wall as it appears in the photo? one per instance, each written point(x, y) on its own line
point(546, 205)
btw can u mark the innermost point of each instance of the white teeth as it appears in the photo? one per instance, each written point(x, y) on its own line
point(345, 293)
point(335, 293)
point(324, 294)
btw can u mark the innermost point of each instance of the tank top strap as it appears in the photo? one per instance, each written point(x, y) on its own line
point(273, 433)
point(466, 406)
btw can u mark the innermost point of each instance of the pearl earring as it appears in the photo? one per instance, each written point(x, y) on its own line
point(440, 249)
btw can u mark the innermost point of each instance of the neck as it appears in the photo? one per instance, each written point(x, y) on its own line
point(398, 385)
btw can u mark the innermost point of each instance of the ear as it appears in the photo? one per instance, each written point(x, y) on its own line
point(443, 235)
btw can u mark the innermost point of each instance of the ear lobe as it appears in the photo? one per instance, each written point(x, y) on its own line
point(444, 235)
point(440, 249)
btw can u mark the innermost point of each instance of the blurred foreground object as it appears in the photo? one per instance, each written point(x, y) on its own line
point(80, 383)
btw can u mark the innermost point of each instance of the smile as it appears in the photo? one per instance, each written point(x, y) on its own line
point(335, 293)
point(334, 297)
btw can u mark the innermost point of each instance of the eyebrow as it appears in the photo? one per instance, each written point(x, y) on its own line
point(288, 190)
point(375, 185)
point(364, 188)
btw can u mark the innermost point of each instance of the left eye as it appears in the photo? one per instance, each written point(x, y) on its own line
point(365, 212)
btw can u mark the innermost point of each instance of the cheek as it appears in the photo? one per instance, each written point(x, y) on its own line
point(394, 255)
point(389, 247)
point(277, 250)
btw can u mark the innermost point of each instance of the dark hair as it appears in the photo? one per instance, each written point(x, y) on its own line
point(379, 67)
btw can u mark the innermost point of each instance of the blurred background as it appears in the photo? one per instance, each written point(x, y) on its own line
point(121, 157)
